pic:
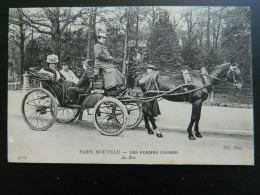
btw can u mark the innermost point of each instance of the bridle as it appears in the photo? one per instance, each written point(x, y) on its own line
point(233, 70)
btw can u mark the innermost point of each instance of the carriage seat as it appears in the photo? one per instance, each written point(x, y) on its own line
point(98, 72)
point(97, 81)
point(35, 73)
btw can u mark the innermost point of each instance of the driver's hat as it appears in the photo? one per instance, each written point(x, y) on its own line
point(151, 66)
point(102, 34)
point(52, 59)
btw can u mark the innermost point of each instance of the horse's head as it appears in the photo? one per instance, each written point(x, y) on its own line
point(233, 75)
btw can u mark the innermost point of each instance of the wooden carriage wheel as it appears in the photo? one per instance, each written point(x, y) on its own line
point(105, 114)
point(39, 109)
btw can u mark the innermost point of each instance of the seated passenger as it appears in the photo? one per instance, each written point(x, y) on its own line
point(68, 74)
point(113, 78)
point(52, 60)
point(82, 84)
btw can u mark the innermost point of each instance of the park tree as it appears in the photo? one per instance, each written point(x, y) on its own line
point(50, 21)
point(36, 50)
point(90, 21)
point(236, 39)
point(32, 54)
point(190, 46)
point(18, 34)
point(163, 43)
point(119, 33)
point(195, 37)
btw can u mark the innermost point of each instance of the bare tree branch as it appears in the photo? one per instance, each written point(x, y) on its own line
point(69, 20)
point(30, 21)
point(39, 30)
point(15, 42)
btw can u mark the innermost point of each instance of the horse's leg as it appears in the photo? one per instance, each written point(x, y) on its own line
point(80, 116)
point(156, 130)
point(196, 127)
point(147, 126)
point(196, 106)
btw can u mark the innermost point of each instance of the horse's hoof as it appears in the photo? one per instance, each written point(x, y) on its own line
point(198, 135)
point(150, 132)
point(191, 137)
point(159, 135)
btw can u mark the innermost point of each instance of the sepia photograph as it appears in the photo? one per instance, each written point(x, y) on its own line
point(130, 85)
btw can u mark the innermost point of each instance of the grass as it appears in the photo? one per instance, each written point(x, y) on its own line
point(225, 96)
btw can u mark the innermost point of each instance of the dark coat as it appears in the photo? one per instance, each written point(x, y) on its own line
point(152, 108)
point(84, 80)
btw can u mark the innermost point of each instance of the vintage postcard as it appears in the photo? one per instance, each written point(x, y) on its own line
point(130, 85)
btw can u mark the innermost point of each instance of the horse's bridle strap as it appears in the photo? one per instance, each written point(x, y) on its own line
point(217, 78)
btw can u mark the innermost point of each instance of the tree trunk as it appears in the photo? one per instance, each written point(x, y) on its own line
point(56, 38)
point(137, 28)
point(217, 36)
point(89, 43)
point(90, 24)
point(56, 46)
point(22, 35)
point(208, 29)
point(92, 27)
point(125, 47)
point(218, 30)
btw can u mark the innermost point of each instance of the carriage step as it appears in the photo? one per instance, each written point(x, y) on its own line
point(73, 106)
point(117, 92)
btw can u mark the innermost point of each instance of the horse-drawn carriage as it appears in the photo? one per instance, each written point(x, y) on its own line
point(112, 114)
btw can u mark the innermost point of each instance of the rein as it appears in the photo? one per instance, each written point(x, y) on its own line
point(165, 93)
point(229, 83)
point(169, 93)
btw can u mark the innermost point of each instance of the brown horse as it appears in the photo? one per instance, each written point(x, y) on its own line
point(195, 92)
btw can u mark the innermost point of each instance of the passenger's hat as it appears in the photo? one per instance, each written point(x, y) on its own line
point(52, 59)
point(101, 34)
point(151, 66)
point(66, 60)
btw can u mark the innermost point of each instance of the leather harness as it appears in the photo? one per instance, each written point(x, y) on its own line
point(204, 75)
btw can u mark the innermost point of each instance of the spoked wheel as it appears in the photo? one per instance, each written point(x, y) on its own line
point(135, 114)
point(39, 109)
point(105, 115)
point(66, 115)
